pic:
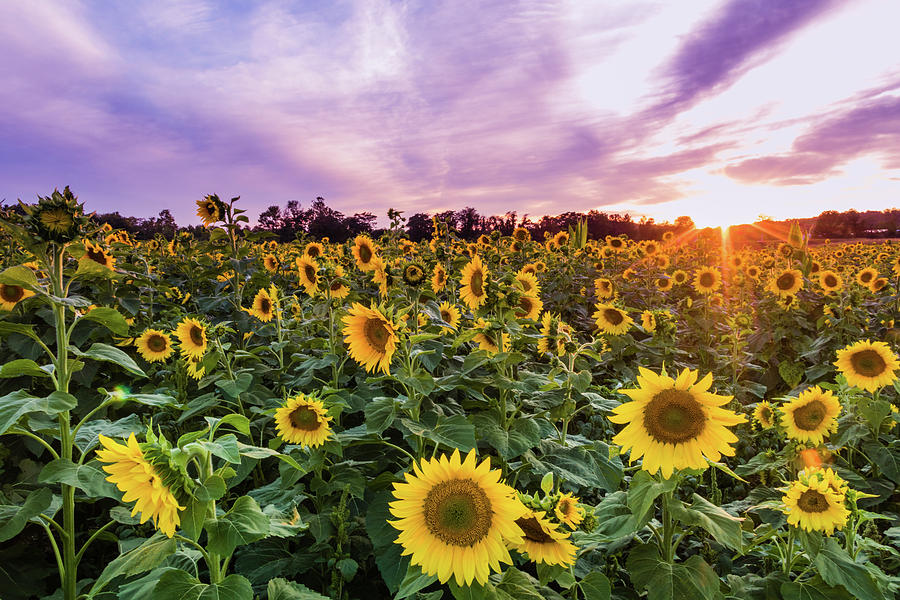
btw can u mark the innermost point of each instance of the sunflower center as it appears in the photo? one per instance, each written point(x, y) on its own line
point(265, 306)
point(365, 253)
point(613, 316)
point(310, 273)
point(525, 306)
point(766, 414)
point(866, 276)
point(313, 252)
point(830, 281)
point(810, 416)
point(707, 279)
point(785, 282)
point(868, 363)
point(458, 512)
point(674, 416)
point(336, 286)
point(812, 501)
point(305, 418)
point(377, 334)
point(445, 316)
point(12, 293)
point(565, 507)
point(533, 530)
point(476, 283)
point(196, 335)
point(156, 343)
point(96, 255)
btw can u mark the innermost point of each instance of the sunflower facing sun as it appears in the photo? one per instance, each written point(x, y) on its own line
point(868, 365)
point(303, 420)
point(815, 502)
point(611, 320)
point(811, 415)
point(155, 345)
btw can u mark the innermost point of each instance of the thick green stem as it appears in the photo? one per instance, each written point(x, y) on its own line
point(668, 548)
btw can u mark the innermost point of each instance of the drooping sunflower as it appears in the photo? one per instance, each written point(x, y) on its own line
point(308, 270)
point(270, 262)
point(675, 423)
point(811, 415)
point(337, 289)
point(568, 511)
point(815, 503)
point(10, 295)
point(209, 210)
point(878, 284)
point(764, 415)
point(142, 483)
point(414, 274)
point(611, 320)
point(648, 321)
point(543, 542)
point(371, 337)
point(191, 335)
point(866, 276)
point(438, 278)
point(707, 280)
point(529, 307)
point(831, 282)
point(455, 517)
point(788, 283)
point(303, 420)
point(96, 254)
point(868, 365)
point(473, 291)
point(155, 345)
point(603, 287)
point(364, 251)
point(449, 314)
point(263, 306)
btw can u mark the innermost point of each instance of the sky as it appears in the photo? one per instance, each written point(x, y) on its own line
point(722, 110)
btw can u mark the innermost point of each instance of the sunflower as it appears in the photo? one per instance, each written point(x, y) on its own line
point(263, 306)
point(764, 415)
point(529, 307)
point(752, 271)
point(868, 365)
point(788, 283)
point(527, 283)
point(540, 266)
point(830, 282)
point(603, 288)
point(707, 280)
point(57, 220)
point(809, 416)
point(455, 517)
point(664, 283)
point(568, 511)
point(10, 295)
point(413, 274)
point(554, 334)
point(521, 234)
point(474, 276)
point(141, 481)
point(449, 315)
point(155, 345)
point(611, 320)
point(364, 251)
point(303, 420)
point(866, 276)
point(438, 278)
point(487, 339)
point(878, 284)
point(616, 243)
point(313, 250)
point(371, 337)
point(679, 277)
point(529, 268)
point(675, 423)
point(648, 321)
point(94, 253)
point(191, 334)
point(543, 542)
point(815, 502)
point(337, 289)
point(209, 210)
point(308, 270)
point(270, 262)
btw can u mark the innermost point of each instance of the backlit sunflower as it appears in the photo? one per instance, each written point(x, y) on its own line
point(543, 542)
point(866, 276)
point(449, 314)
point(263, 306)
point(616, 243)
point(10, 295)
point(811, 415)
point(95, 254)
point(787, 283)
point(371, 337)
point(364, 251)
point(191, 335)
point(752, 271)
point(529, 307)
point(303, 420)
point(474, 277)
point(707, 280)
point(438, 278)
point(155, 345)
point(414, 274)
point(308, 270)
point(603, 288)
point(675, 423)
point(815, 503)
point(830, 281)
point(455, 517)
point(210, 210)
point(611, 320)
point(142, 483)
point(868, 365)
point(568, 511)
point(764, 415)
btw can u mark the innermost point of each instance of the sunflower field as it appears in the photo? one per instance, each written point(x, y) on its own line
point(567, 418)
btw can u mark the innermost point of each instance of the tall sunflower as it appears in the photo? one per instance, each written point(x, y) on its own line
point(474, 277)
point(868, 365)
point(303, 420)
point(155, 345)
point(10, 295)
point(142, 483)
point(543, 542)
point(413, 274)
point(191, 335)
point(679, 277)
point(675, 423)
point(263, 306)
point(210, 210)
point(816, 502)
point(308, 270)
point(788, 283)
point(811, 415)
point(527, 283)
point(314, 250)
point(371, 337)
point(707, 280)
point(455, 517)
point(611, 320)
point(866, 276)
point(364, 251)
point(270, 262)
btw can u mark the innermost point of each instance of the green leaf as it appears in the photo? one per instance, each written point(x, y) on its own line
point(519, 585)
point(813, 589)
point(145, 557)
point(235, 388)
point(87, 478)
point(20, 367)
point(225, 447)
point(88, 435)
point(837, 568)
point(453, 432)
point(181, 585)
point(644, 490)
point(20, 402)
point(281, 589)
point(259, 453)
point(414, 581)
point(7, 327)
point(547, 482)
point(239, 422)
point(21, 276)
point(107, 353)
point(109, 318)
point(244, 524)
point(725, 528)
point(392, 566)
point(582, 466)
point(663, 581)
point(595, 586)
point(380, 413)
point(13, 518)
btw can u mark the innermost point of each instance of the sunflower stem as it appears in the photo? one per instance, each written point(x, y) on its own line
point(789, 552)
point(668, 549)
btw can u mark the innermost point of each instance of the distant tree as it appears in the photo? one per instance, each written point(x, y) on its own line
point(418, 227)
point(684, 223)
point(360, 223)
